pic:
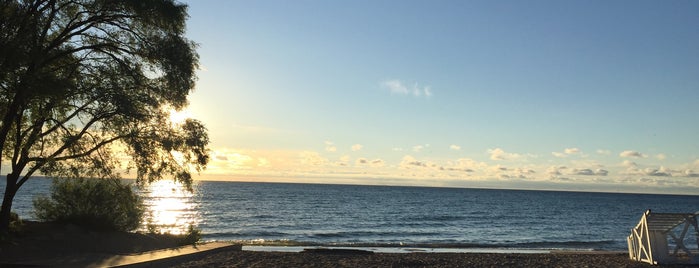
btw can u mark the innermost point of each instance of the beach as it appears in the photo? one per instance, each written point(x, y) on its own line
point(329, 259)
point(53, 245)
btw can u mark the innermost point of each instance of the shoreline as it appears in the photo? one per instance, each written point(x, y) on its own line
point(405, 250)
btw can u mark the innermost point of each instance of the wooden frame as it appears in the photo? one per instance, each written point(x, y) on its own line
point(648, 241)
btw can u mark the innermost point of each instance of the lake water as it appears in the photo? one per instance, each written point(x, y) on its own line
point(386, 216)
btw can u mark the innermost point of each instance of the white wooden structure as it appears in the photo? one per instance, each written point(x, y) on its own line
point(648, 241)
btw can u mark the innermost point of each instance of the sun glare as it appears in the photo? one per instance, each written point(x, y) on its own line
point(178, 117)
point(170, 207)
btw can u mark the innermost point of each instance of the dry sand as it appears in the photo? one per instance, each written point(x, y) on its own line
point(329, 259)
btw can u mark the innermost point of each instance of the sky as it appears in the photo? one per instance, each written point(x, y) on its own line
point(553, 95)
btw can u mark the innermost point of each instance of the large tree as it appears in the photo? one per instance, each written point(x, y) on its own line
point(87, 88)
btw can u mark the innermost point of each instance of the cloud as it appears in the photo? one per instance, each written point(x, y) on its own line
point(373, 163)
point(555, 170)
point(344, 160)
point(469, 164)
point(589, 172)
point(262, 162)
point(572, 150)
point(661, 156)
point(357, 147)
point(395, 86)
point(378, 162)
point(690, 173)
point(566, 152)
point(312, 158)
point(661, 172)
point(632, 154)
point(454, 147)
point(500, 154)
point(418, 148)
point(604, 152)
point(629, 164)
point(409, 161)
point(559, 155)
point(330, 146)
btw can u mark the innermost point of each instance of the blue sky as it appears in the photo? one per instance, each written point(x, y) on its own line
point(573, 95)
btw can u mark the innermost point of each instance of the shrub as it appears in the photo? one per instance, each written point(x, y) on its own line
point(15, 221)
point(191, 237)
point(98, 204)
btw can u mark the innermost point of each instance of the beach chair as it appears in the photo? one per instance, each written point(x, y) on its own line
point(662, 238)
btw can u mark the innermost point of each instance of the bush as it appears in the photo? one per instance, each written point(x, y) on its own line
point(191, 237)
point(15, 221)
point(98, 204)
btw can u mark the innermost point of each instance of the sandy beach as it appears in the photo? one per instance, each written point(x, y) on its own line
point(49, 242)
point(315, 259)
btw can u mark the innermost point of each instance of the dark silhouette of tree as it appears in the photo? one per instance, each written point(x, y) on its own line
point(88, 85)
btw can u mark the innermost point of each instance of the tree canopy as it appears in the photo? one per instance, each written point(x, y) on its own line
point(88, 85)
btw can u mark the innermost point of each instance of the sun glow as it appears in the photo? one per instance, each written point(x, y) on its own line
point(170, 208)
point(178, 117)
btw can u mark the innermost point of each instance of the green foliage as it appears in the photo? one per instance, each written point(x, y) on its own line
point(192, 236)
point(15, 226)
point(86, 88)
point(15, 222)
point(100, 204)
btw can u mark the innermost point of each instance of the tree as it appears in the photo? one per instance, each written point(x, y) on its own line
point(88, 85)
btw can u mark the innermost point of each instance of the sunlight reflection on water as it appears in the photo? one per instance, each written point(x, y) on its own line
point(170, 208)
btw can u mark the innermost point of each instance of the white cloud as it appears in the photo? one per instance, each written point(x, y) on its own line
point(604, 152)
point(589, 172)
point(500, 154)
point(632, 154)
point(661, 156)
point(357, 147)
point(395, 86)
point(377, 163)
point(367, 162)
point(418, 148)
point(454, 147)
point(555, 170)
point(344, 160)
point(559, 155)
point(312, 158)
point(409, 161)
point(428, 91)
point(330, 146)
point(566, 152)
point(629, 164)
point(660, 172)
point(262, 162)
point(690, 173)
point(572, 150)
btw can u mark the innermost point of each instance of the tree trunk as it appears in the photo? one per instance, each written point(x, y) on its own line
point(10, 191)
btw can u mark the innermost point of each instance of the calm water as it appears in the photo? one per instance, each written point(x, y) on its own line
point(344, 215)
